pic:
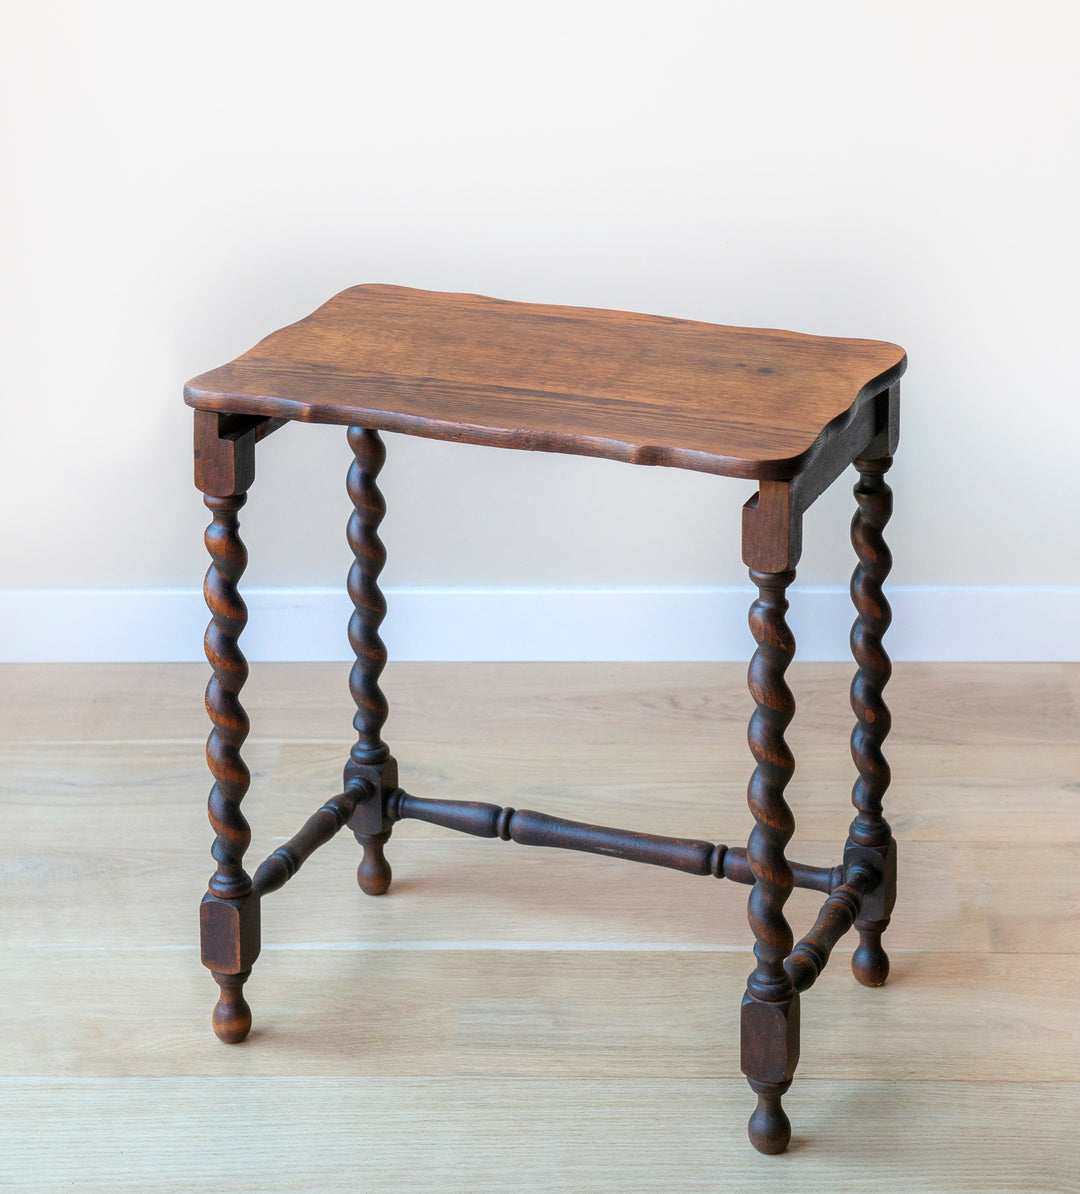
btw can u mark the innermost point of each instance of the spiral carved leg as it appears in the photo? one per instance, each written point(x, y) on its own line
point(870, 839)
point(370, 761)
point(229, 915)
point(770, 1008)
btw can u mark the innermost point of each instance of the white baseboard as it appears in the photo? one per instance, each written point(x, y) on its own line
point(976, 622)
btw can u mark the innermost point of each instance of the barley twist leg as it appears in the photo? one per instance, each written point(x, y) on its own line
point(770, 1010)
point(229, 915)
point(870, 833)
point(369, 759)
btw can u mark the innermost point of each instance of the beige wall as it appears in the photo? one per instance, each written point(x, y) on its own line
point(183, 179)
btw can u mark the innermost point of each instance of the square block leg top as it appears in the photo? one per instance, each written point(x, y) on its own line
point(790, 411)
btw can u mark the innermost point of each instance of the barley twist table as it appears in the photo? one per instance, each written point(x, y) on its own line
point(787, 410)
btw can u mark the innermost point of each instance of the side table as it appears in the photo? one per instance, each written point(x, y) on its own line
point(789, 411)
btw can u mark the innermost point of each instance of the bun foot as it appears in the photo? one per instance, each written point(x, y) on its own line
point(373, 873)
point(232, 1016)
point(769, 1128)
point(870, 963)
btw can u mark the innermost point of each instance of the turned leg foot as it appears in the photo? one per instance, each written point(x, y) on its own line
point(769, 1128)
point(870, 963)
point(373, 873)
point(232, 1016)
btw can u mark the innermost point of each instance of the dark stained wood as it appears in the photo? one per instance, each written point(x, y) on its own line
point(225, 451)
point(803, 874)
point(280, 866)
point(530, 828)
point(770, 1008)
point(229, 914)
point(232, 1015)
point(808, 959)
point(230, 721)
point(370, 763)
point(640, 388)
point(772, 518)
point(369, 604)
point(870, 833)
point(680, 854)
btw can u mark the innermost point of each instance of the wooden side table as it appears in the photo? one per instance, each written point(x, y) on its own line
point(787, 410)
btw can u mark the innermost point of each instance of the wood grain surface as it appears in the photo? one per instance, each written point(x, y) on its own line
point(601, 1136)
point(741, 402)
point(544, 1020)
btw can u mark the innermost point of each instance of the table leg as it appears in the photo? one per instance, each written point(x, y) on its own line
point(770, 1008)
point(870, 834)
point(369, 759)
point(229, 915)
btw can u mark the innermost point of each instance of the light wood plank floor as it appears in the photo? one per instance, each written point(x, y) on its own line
point(529, 1020)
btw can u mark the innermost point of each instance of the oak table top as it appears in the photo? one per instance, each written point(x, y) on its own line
point(742, 402)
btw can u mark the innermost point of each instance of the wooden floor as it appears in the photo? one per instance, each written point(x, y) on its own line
point(521, 1019)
